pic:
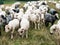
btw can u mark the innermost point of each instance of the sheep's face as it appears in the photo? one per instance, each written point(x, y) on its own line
point(6, 28)
point(21, 32)
point(53, 29)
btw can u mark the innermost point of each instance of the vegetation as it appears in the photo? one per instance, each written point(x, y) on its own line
point(36, 37)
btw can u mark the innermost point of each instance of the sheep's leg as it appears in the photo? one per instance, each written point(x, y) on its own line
point(22, 35)
point(35, 25)
point(46, 24)
point(38, 26)
point(0, 31)
point(26, 33)
point(12, 34)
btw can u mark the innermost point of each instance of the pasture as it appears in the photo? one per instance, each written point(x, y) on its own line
point(36, 37)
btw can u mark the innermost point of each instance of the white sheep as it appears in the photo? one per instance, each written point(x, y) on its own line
point(2, 7)
point(58, 5)
point(24, 27)
point(11, 26)
point(16, 4)
point(19, 15)
point(3, 13)
point(9, 12)
point(35, 19)
point(55, 28)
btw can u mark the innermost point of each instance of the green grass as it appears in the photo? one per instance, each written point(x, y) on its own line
point(36, 37)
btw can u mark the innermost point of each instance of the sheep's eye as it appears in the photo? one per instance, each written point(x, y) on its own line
point(8, 28)
point(54, 29)
point(21, 31)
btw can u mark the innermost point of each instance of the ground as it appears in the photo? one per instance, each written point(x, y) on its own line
point(36, 37)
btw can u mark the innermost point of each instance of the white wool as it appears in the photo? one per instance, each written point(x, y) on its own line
point(2, 6)
point(58, 5)
point(24, 24)
point(58, 22)
point(16, 3)
point(3, 13)
point(52, 28)
point(12, 25)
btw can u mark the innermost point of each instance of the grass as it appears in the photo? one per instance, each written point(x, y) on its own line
point(36, 37)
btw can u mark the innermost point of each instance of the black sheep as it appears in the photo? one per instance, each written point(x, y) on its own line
point(50, 19)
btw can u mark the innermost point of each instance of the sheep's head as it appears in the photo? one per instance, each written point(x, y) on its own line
point(53, 28)
point(57, 17)
point(7, 28)
point(21, 32)
point(7, 9)
point(17, 4)
point(2, 7)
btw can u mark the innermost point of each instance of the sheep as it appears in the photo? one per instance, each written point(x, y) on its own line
point(2, 22)
point(24, 24)
point(16, 4)
point(15, 7)
point(11, 26)
point(44, 8)
point(35, 19)
point(50, 18)
point(52, 28)
point(54, 12)
point(58, 6)
point(3, 13)
point(9, 11)
point(9, 14)
point(55, 29)
point(19, 15)
point(2, 7)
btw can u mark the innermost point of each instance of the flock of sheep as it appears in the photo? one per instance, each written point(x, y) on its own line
point(21, 19)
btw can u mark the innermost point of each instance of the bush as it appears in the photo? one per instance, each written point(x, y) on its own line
point(26, 0)
point(1, 2)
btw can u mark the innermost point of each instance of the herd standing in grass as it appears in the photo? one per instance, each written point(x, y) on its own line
point(37, 12)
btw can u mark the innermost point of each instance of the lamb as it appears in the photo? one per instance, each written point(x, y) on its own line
point(2, 7)
point(55, 29)
point(19, 15)
point(11, 26)
point(16, 4)
point(35, 19)
point(9, 12)
point(15, 7)
point(24, 27)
